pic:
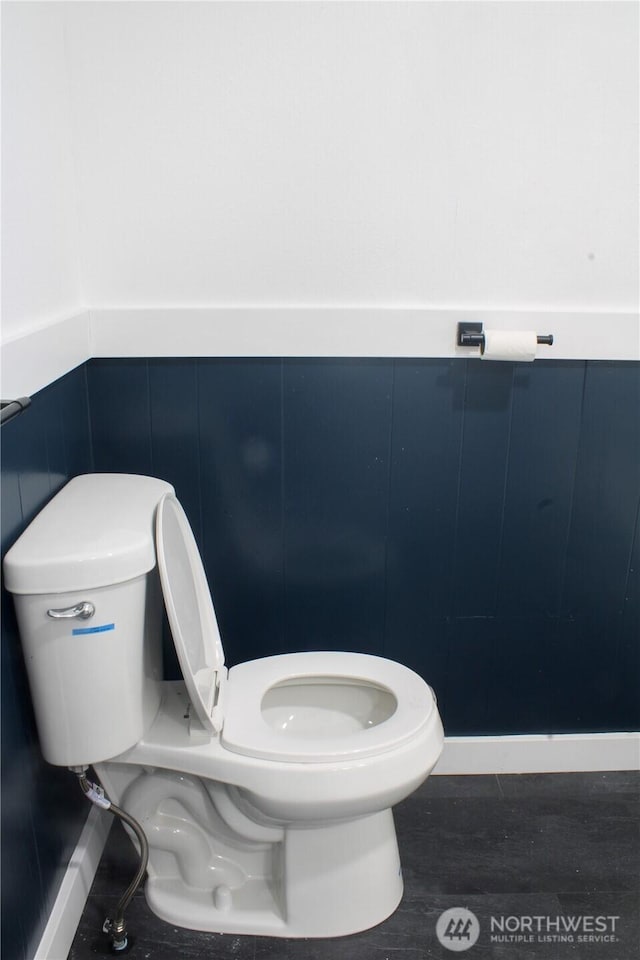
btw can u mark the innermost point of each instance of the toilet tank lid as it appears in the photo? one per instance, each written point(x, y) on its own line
point(97, 531)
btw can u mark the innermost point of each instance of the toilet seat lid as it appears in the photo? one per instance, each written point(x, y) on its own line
point(190, 611)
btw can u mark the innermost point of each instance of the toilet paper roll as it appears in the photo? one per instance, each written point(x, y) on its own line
point(510, 345)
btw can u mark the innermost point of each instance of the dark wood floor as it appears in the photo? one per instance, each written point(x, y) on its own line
point(540, 846)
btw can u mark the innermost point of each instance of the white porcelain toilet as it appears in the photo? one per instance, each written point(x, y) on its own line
point(266, 790)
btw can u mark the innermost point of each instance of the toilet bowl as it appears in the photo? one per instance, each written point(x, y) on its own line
point(265, 790)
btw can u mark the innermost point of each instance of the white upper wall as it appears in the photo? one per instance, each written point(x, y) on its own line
point(40, 275)
point(406, 154)
point(404, 158)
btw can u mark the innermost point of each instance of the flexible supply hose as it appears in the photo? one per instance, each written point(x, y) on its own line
point(116, 927)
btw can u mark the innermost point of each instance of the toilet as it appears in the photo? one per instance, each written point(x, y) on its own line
point(265, 790)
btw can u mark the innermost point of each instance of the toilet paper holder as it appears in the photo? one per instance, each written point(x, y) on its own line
point(471, 334)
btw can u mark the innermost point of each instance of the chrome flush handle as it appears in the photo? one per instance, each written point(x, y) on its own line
point(81, 611)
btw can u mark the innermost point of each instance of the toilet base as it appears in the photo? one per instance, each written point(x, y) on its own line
point(216, 864)
point(327, 881)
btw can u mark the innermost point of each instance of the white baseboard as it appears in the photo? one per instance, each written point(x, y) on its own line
point(553, 753)
point(64, 918)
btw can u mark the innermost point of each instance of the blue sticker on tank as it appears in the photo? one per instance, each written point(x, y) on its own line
point(81, 631)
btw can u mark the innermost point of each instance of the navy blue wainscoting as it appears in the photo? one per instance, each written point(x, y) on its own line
point(476, 521)
point(43, 810)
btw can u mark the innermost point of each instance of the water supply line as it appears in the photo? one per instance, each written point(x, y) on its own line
point(116, 926)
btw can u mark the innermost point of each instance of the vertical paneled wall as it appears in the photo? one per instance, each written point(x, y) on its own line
point(42, 808)
point(476, 521)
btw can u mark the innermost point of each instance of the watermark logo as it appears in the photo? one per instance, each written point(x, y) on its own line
point(554, 929)
point(457, 929)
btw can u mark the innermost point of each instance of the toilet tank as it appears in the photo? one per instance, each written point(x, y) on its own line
point(88, 603)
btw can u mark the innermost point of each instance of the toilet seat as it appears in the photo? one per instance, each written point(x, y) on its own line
point(189, 607)
point(398, 703)
point(246, 731)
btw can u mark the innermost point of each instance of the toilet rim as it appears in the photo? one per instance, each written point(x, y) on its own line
point(230, 705)
point(245, 730)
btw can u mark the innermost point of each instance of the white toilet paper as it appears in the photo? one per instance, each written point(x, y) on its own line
point(510, 345)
